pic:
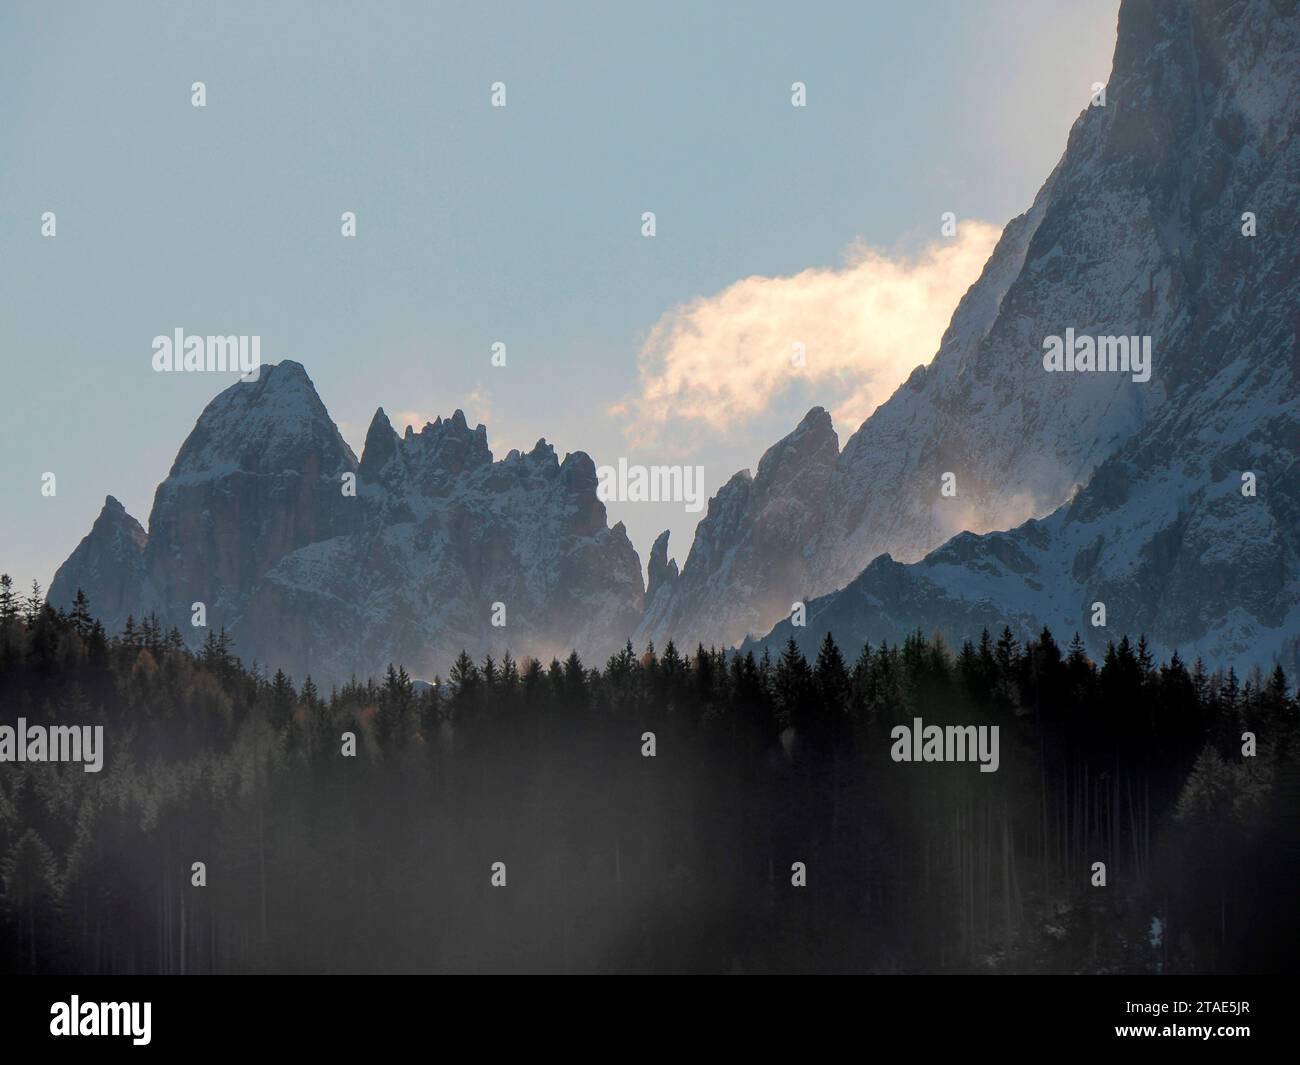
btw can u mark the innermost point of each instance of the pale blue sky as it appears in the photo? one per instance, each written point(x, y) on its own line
point(475, 225)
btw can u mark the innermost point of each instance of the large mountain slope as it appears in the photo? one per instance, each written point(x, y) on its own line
point(1137, 232)
point(1200, 127)
point(253, 521)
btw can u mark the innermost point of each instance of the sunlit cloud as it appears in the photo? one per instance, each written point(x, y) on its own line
point(851, 333)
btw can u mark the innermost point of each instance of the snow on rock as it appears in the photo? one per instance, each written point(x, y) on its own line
point(254, 522)
point(1138, 231)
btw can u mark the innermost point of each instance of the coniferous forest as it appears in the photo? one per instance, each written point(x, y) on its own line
point(615, 860)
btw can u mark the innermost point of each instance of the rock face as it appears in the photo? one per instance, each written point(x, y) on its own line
point(259, 476)
point(1200, 126)
point(747, 554)
point(1138, 232)
point(109, 560)
point(661, 573)
point(254, 522)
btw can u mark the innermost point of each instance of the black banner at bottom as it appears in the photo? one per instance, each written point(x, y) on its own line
point(1241, 1016)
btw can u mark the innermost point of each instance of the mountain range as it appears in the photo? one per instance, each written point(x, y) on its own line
point(256, 522)
point(985, 492)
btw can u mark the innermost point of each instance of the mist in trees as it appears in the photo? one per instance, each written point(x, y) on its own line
point(665, 812)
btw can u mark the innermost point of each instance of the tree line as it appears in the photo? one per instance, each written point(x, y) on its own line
point(664, 812)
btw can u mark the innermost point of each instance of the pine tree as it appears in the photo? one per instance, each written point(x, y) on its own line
point(1006, 658)
point(1144, 658)
point(1005, 654)
point(1076, 654)
point(282, 700)
point(832, 677)
point(670, 665)
point(97, 644)
point(968, 667)
point(396, 708)
point(834, 693)
point(151, 634)
point(464, 680)
point(34, 605)
point(575, 681)
point(704, 676)
point(533, 679)
point(81, 619)
point(8, 601)
point(792, 684)
point(509, 680)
